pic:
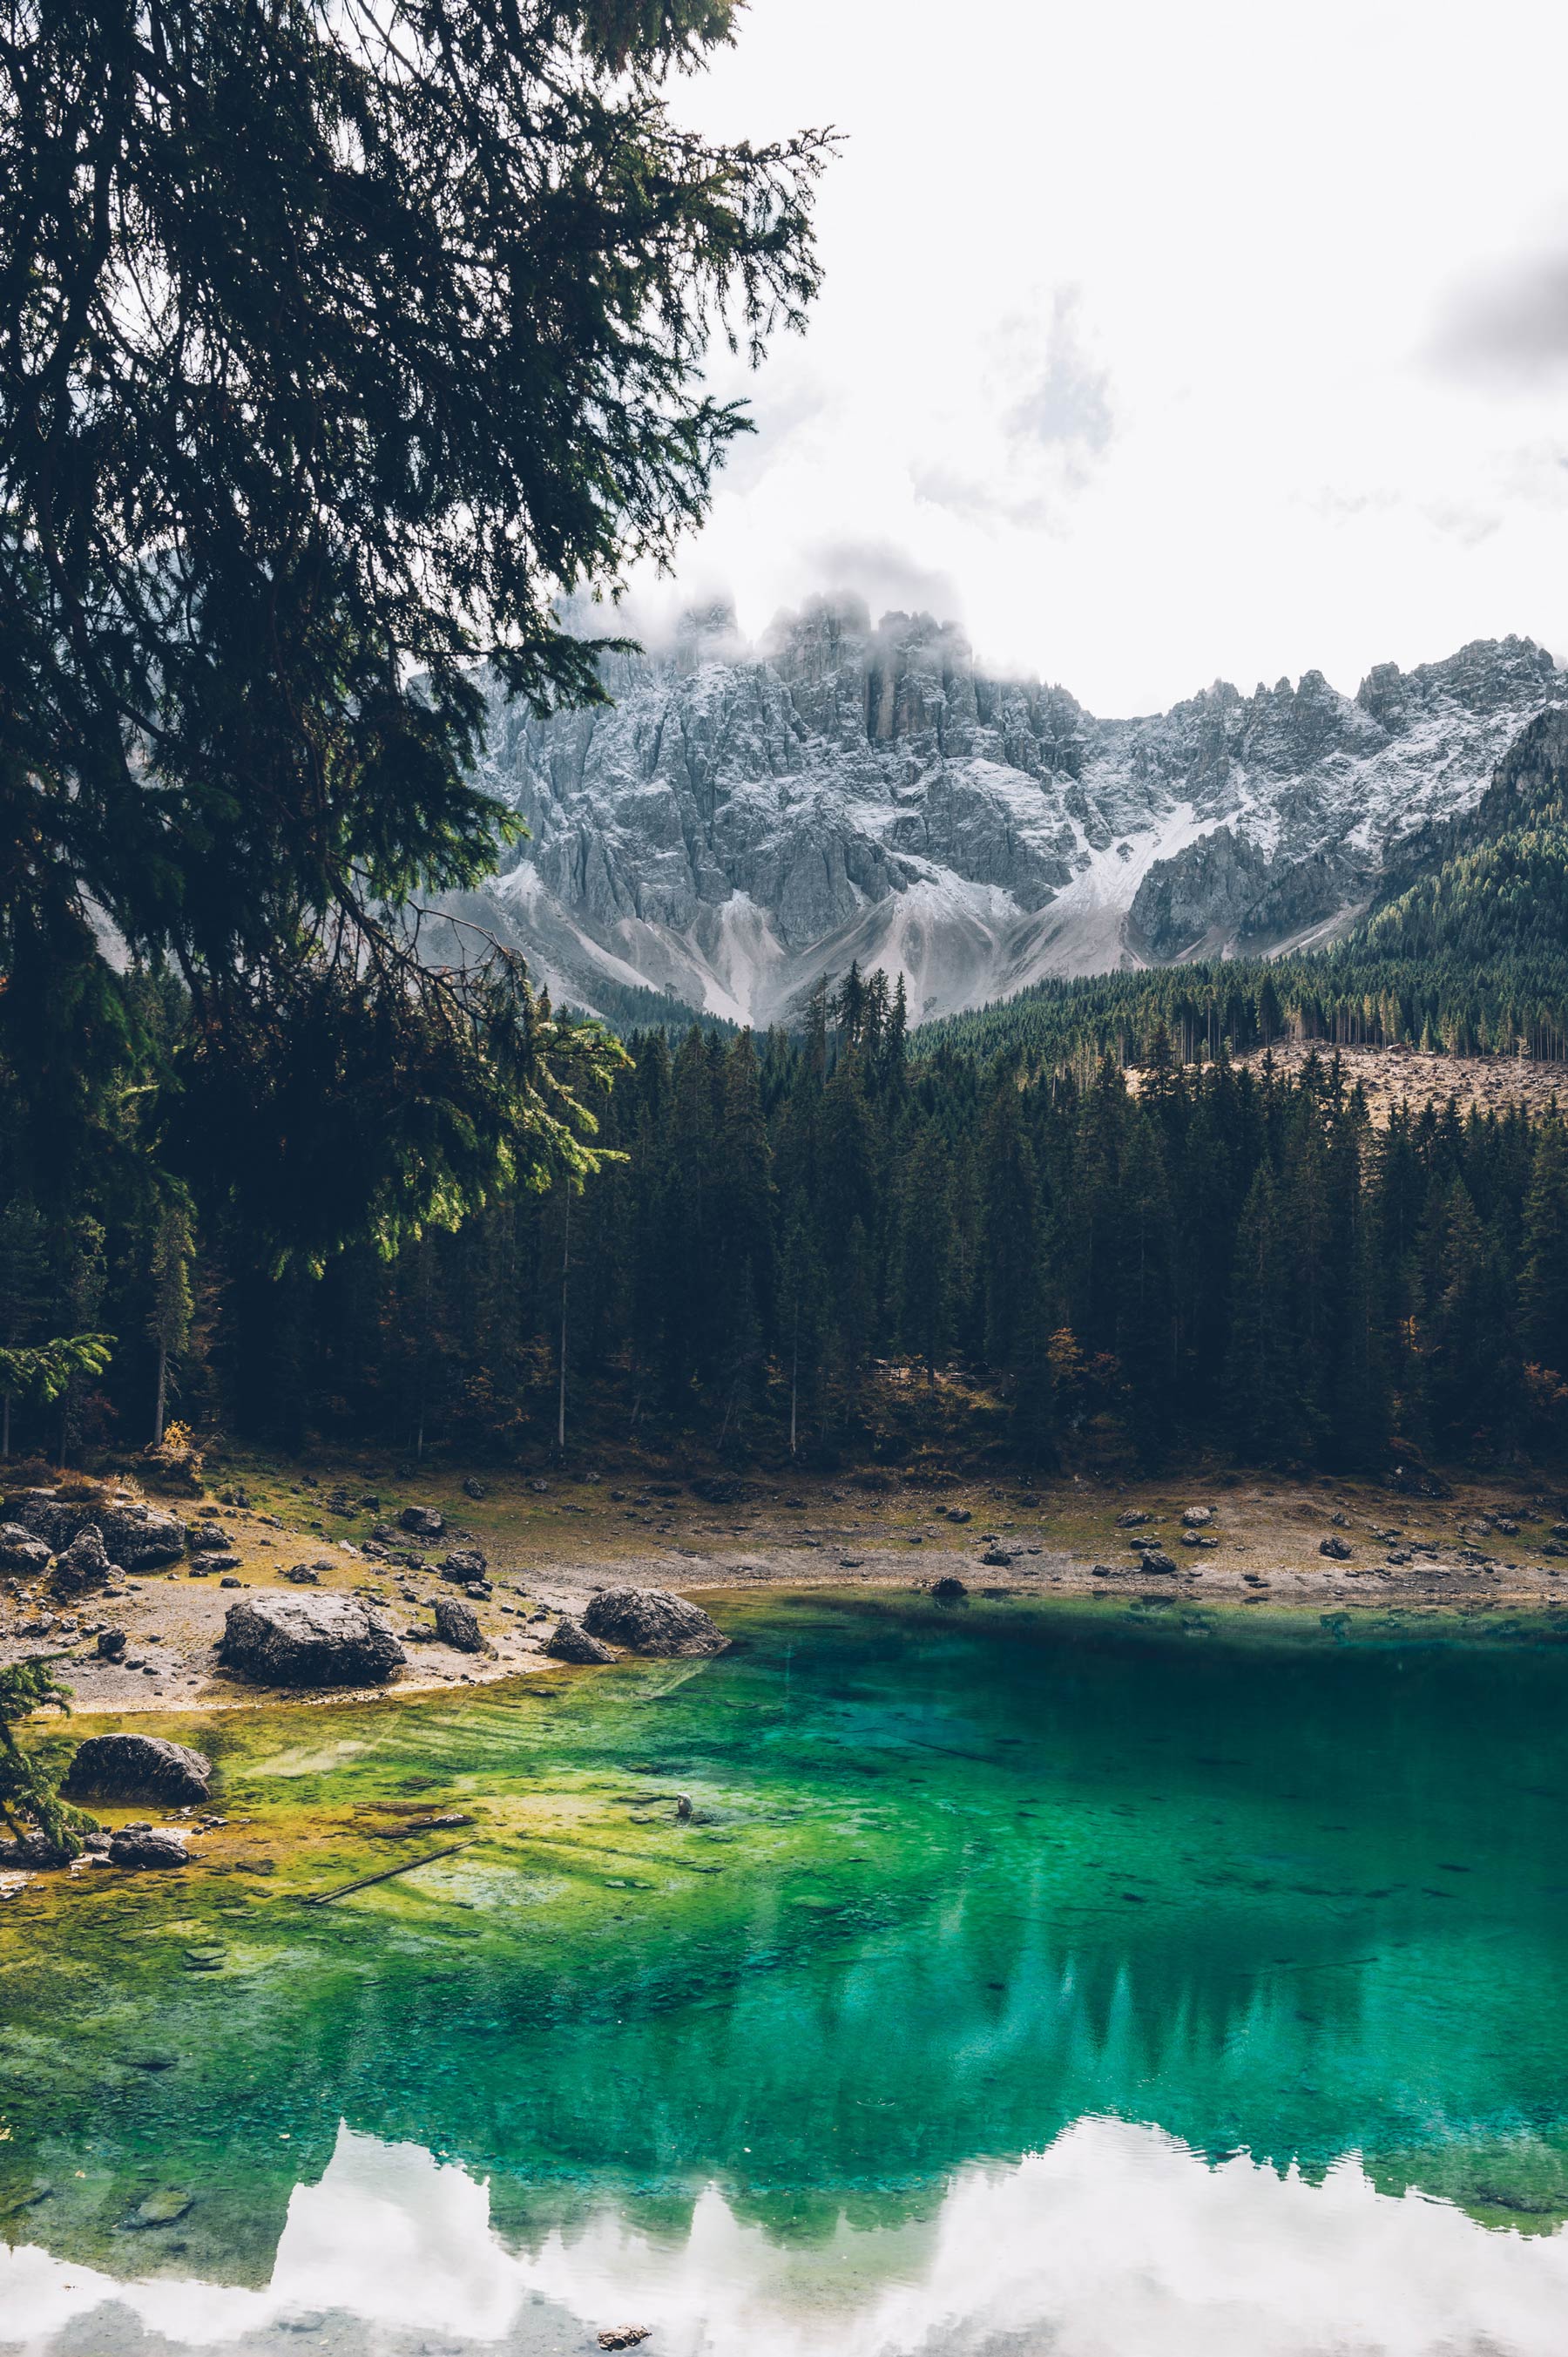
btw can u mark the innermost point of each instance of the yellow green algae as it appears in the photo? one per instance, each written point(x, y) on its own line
point(951, 1882)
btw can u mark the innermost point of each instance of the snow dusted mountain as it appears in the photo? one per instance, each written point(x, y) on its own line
point(742, 820)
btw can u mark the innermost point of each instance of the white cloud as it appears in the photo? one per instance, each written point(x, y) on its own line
point(1131, 324)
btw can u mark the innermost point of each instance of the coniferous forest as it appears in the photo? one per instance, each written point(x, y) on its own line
point(830, 1244)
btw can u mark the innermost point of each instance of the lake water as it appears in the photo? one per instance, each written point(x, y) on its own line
point(1062, 1979)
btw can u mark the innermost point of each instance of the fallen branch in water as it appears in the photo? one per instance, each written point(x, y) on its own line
point(325, 1897)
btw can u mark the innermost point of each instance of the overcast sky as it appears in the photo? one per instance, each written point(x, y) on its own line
point(1164, 344)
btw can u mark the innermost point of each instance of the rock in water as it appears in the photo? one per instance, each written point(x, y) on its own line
point(310, 1640)
point(948, 1589)
point(570, 1642)
point(652, 1620)
point(455, 1625)
point(85, 1563)
point(148, 1846)
point(138, 1768)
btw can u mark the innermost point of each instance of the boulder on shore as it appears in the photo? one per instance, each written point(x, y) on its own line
point(138, 1768)
point(463, 1565)
point(136, 1537)
point(310, 1640)
point(570, 1642)
point(652, 1620)
point(424, 1522)
point(19, 1551)
point(455, 1625)
point(84, 1563)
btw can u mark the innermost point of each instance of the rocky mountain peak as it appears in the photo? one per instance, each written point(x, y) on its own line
point(746, 818)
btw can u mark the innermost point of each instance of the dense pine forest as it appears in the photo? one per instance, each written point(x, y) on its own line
point(829, 1245)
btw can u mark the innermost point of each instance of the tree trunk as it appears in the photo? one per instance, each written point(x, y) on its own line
point(6, 1426)
point(162, 1398)
point(794, 1378)
point(565, 1268)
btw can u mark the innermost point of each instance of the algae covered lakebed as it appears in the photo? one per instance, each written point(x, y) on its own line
point(1107, 1978)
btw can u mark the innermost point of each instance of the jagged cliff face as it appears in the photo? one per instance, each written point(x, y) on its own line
point(742, 820)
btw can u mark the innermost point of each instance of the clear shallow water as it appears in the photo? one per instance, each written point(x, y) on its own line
point(1053, 1978)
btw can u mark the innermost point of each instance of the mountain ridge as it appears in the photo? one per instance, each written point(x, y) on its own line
point(739, 822)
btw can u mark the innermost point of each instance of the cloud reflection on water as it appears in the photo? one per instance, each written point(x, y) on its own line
point(1117, 2241)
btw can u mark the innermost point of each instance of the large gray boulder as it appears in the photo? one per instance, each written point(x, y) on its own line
point(570, 1642)
point(84, 1563)
point(21, 1550)
point(138, 1768)
point(455, 1626)
point(136, 1537)
point(310, 1640)
point(652, 1620)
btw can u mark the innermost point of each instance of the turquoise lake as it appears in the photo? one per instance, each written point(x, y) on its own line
point(1057, 1977)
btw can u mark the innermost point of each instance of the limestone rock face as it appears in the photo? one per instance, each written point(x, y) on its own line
point(310, 1640)
point(138, 1768)
point(570, 1642)
point(744, 819)
point(652, 1620)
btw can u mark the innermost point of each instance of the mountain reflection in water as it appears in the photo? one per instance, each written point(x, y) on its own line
point(1115, 2242)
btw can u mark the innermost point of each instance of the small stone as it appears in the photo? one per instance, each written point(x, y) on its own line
point(302, 1575)
point(1338, 1550)
point(475, 1489)
point(1131, 1520)
point(958, 1514)
point(1196, 1517)
point(1158, 1563)
point(159, 2209)
point(112, 1644)
point(948, 1589)
point(624, 2336)
point(422, 1521)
